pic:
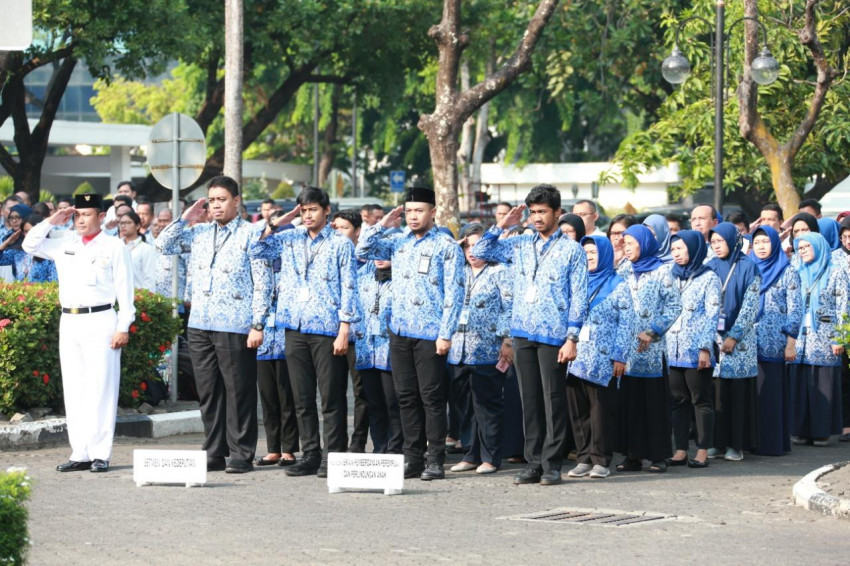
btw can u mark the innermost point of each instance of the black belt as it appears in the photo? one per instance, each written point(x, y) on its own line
point(86, 310)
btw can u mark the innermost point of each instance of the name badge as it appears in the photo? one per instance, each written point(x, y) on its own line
point(303, 294)
point(206, 287)
point(584, 333)
point(270, 319)
point(374, 327)
point(464, 317)
point(808, 320)
point(424, 263)
point(721, 324)
point(531, 294)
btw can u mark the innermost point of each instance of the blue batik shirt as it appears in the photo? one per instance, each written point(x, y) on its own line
point(428, 282)
point(696, 327)
point(607, 336)
point(28, 268)
point(814, 345)
point(318, 279)
point(743, 361)
point(781, 317)
point(230, 291)
point(487, 306)
point(163, 275)
point(274, 336)
point(657, 305)
point(550, 282)
point(372, 337)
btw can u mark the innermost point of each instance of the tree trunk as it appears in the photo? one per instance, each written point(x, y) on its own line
point(464, 152)
point(329, 140)
point(482, 138)
point(444, 165)
point(233, 66)
point(783, 183)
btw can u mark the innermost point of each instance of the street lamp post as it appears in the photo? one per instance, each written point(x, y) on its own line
point(764, 70)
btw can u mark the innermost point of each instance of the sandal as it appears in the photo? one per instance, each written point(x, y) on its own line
point(629, 465)
point(658, 467)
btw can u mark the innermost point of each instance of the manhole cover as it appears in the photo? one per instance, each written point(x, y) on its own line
point(598, 517)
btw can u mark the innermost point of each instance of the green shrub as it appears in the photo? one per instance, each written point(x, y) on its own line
point(7, 186)
point(83, 188)
point(30, 374)
point(14, 540)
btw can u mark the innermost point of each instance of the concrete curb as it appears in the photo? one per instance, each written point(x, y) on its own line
point(50, 432)
point(808, 495)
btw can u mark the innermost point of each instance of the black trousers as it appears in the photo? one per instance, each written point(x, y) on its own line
point(384, 415)
point(542, 388)
point(460, 407)
point(360, 434)
point(278, 403)
point(593, 415)
point(690, 386)
point(226, 378)
point(419, 376)
point(486, 385)
point(311, 363)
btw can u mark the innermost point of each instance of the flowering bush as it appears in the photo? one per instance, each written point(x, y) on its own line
point(30, 375)
point(14, 540)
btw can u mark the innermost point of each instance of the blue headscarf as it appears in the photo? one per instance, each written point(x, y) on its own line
point(648, 245)
point(829, 229)
point(662, 234)
point(744, 272)
point(697, 251)
point(602, 281)
point(809, 272)
point(773, 266)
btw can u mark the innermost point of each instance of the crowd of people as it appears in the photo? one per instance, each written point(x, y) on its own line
point(524, 341)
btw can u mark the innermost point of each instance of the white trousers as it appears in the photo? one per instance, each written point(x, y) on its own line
point(91, 372)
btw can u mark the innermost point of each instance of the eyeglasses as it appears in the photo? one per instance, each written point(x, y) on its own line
point(616, 233)
point(803, 247)
point(14, 217)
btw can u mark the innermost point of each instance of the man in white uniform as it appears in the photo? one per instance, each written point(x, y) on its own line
point(94, 270)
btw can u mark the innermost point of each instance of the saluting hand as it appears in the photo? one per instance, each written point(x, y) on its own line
point(392, 217)
point(512, 218)
point(61, 216)
point(194, 212)
point(10, 240)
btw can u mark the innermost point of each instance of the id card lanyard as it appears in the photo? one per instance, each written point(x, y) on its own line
point(309, 258)
point(471, 282)
point(721, 322)
point(216, 249)
point(531, 293)
point(808, 303)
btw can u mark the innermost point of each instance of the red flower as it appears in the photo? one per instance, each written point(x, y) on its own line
point(162, 348)
point(143, 386)
point(133, 328)
point(21, 298)
point(45, 378)
point(5, 322)
point(35, 372)
point(134, 394)
point(145, 317)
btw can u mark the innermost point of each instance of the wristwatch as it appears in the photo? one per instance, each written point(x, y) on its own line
point(572, 338)
point(257, 326)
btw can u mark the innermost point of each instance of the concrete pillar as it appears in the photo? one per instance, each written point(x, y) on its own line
point(119, 166)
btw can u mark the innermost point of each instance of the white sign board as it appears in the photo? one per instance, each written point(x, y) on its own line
point(188, 467)
point(384, 472)
point(15, 25)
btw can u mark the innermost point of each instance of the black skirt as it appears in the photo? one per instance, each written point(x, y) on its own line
point(774, 409)
point(644, 429)
point(736, 413)
point(815, 401)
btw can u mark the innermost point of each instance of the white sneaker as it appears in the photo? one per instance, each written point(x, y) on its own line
point(599, 472)
point(733, 455)
point(580, 471)
point(714, 453)
point(463, 467)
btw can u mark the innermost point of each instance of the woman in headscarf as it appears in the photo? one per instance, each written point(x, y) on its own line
point(801, 223)
point(816, 373)
point(26, 267)
point(830, 230)
point(690, 348)
point(736, 396)
point(616, 230)
point(781, 308)
point(572, 226)
point(603, 350)
point(644, 393)
point(661, 230)
point(844, 239)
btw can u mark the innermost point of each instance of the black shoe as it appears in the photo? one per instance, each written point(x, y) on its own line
point(433, 471)
point(322, 472)
point(283, 462)
point(674, 462)
point(528, 475)
point(99, 466)
point(238, 467)
point(694, 463)
point(72, 466)
point(216, 464)
point(357, 449)
point(550, 477)
point(413, 470)
point(308, 465)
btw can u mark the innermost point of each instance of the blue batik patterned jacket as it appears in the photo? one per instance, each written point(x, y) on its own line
point(841, 259)
point(743, 361)
point(782, 316)
point(814, 346)
point(657, 306)
point(696, 327)
point(318, 279)
point(550, 285)
point(610, 337)
point(163, 276)
point(230, 291)
point(27, 268)
point(428, 285)
point(488, 302)
point(274, 337)
point(372, 332)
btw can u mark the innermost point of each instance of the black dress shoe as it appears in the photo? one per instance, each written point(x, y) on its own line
point(550, 477)
point(72, 466)
point(322, 472)
point(99, 466)
point(528, 475)
point(286, 462)
point(674, 462)
point(694, 463)
point(308, 465)
point(216, 464)
point(433, 471)
point(413, 470)
point(238, 467)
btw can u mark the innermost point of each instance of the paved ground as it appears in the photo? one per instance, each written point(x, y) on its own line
point(743, 515)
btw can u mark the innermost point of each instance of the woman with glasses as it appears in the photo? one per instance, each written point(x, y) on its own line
point(816, 372)
point(780, 316)
point(25, 267)
point(801, 223)
point(142, 254)
point(736, 396)
point(615, 234)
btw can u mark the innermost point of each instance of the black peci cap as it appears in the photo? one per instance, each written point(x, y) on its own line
point(420, 194)
point(88, 200)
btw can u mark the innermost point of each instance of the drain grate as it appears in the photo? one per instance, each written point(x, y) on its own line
point(597, 517)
